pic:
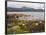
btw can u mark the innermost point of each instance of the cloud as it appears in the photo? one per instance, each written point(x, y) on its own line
point(21, 4)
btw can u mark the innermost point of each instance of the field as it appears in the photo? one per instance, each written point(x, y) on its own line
point(24, 26)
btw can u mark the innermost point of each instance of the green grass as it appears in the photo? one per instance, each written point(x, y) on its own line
point(21, 26)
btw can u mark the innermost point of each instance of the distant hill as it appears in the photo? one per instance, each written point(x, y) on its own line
point(24, 9)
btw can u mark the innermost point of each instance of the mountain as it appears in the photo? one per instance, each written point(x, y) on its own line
point(24, 9)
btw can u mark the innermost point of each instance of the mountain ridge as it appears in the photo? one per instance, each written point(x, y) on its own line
point(24, 9)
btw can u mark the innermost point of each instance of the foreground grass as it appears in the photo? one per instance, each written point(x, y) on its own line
point(21, 26)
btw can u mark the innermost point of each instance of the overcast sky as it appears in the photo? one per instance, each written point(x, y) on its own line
point(21, 4)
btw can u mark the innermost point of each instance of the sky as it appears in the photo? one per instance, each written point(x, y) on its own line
point(21, 4)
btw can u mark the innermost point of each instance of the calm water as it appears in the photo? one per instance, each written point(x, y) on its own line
point(33, 15)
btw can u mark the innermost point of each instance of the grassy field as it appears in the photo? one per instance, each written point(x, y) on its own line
point(23, 26)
